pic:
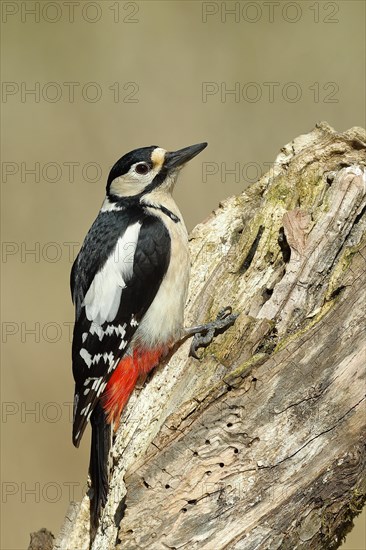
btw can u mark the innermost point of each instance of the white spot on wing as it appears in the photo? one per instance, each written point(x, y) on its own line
point(76, 401)
point(113, 365)
point(96, 358)
point(108, 357)
point(85, 410)
point(88, 380)
point(101, 389)
point(122, 330)
point(96, 329)
point(110, 330)
point(86, 356)
point(96, 383)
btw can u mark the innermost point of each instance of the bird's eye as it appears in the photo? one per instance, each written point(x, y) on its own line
point(142, 168)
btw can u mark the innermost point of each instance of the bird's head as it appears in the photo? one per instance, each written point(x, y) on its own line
point(143, 170)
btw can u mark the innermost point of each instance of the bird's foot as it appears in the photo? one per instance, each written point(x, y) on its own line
point(204, 334)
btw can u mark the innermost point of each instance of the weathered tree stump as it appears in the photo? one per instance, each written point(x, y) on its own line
point(261, 445)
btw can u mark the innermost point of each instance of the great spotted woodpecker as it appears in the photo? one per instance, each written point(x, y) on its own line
point(129, 285)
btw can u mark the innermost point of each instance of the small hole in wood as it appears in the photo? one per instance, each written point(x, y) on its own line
point(268, 257)
point(146, 484)
point(207, 441)
point(337, 291)
point(184, 510)
point(194, 501)
point(129, 532)
point(266, 294)
point(249, 257)
point(195, 453)
point(221, 464)
point(167, 486)
point(208, 473)
point(236, 450)
point(229, 424)
point(284, 246)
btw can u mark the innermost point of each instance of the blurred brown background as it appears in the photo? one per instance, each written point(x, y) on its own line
point(85, 82)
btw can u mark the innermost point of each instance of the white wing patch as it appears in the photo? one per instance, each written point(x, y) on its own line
point(104, 295)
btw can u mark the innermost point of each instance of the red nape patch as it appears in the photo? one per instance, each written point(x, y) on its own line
point(123, 381)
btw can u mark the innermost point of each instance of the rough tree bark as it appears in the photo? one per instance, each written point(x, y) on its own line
point(261, 444)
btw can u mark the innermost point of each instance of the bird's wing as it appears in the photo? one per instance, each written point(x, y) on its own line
point(111, 299)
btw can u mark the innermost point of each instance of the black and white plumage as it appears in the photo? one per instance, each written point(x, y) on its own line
point(129, 284)
point(111, 301)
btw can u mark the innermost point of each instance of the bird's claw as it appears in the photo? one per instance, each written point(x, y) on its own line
point(225, 319)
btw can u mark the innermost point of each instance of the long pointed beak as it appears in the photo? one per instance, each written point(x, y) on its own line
point(176, 159)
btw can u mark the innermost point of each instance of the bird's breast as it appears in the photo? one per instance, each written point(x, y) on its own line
point(163, 321)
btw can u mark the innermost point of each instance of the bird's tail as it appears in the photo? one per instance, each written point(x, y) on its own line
point(106, 413)
point(98, 467)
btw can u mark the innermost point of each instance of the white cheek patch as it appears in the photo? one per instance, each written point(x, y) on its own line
point(103, 298)
point(129, 184)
